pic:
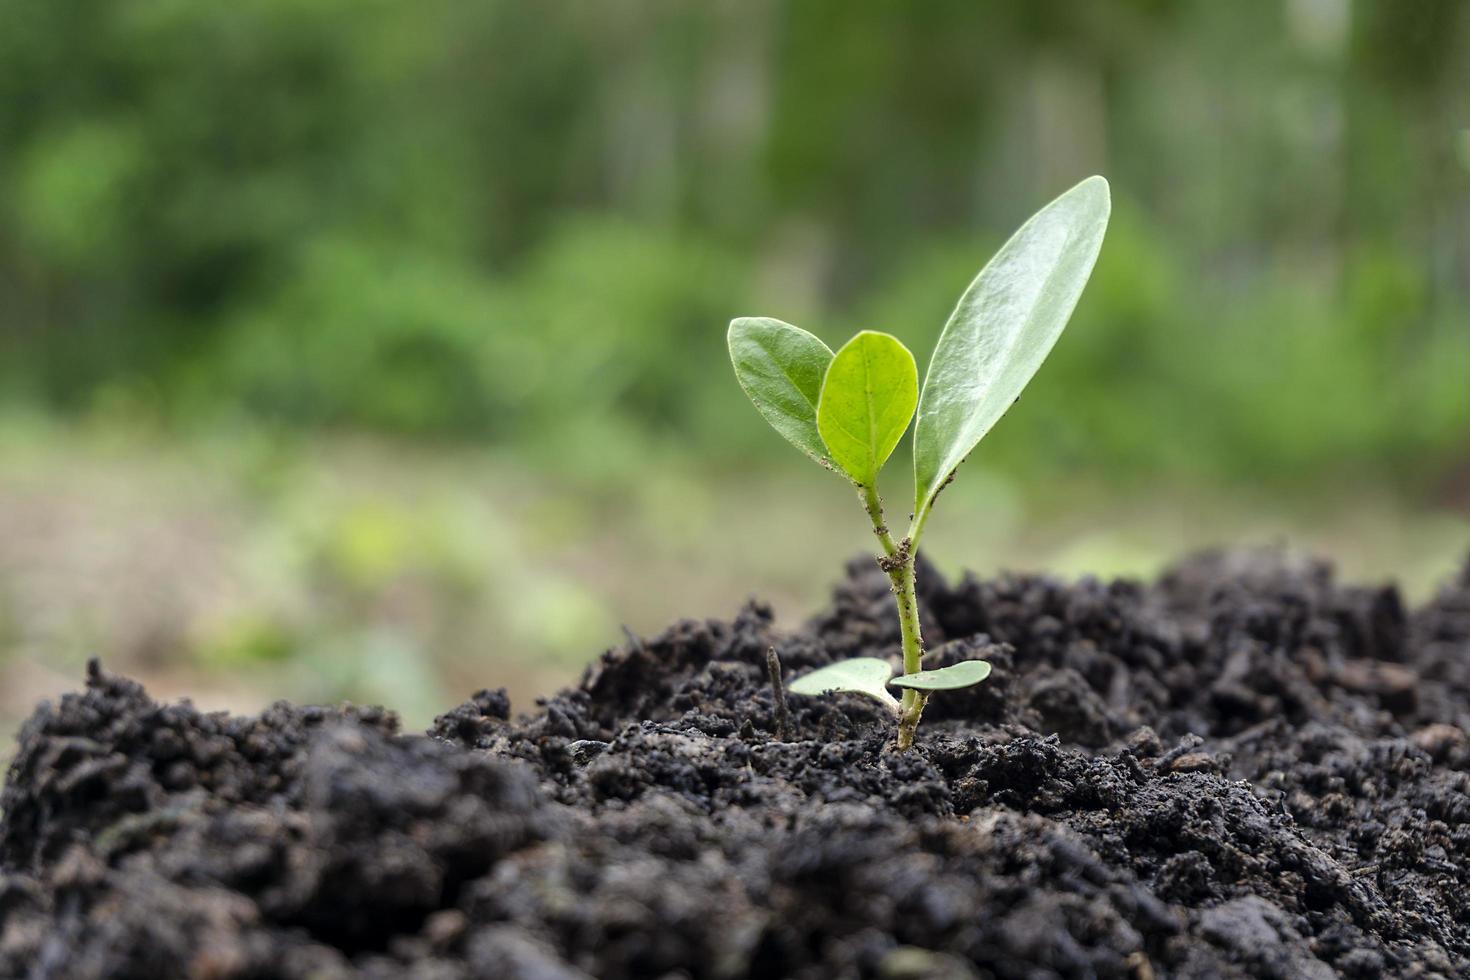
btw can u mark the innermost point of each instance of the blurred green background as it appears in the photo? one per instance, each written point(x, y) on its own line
point(376, 350)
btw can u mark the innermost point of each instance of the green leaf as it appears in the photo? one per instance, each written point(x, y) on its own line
point(868, 398)
point(966, 673)
point(1002, 330)
point(861, 675)
point(781, 368)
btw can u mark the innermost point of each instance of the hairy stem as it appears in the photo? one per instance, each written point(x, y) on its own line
point(897, 561)
point(873, 504)
point(905, 594)
point(908, 721)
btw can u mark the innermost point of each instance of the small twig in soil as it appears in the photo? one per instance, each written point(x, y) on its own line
point(778, 692)
point(1186, 745)
point(633, 641)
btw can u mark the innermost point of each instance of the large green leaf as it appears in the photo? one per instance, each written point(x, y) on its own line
point(966, 673)
point(1001, 331)
point(781, 368)
point(868, 398)
point(861, 675)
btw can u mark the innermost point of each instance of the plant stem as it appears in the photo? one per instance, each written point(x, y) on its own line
point(897, 562)
point(908, 721)
point(906, 595)
point(873, 504)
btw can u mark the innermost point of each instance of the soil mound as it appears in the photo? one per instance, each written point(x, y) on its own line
point(1242, 769)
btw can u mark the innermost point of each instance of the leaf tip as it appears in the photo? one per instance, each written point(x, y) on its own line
point(1097, 186)
point(863, 335)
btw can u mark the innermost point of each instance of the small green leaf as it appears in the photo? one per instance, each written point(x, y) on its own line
point(781, 369)
point(867, 400)
point(861, 675)
point(966, 673)
point(1001, 331)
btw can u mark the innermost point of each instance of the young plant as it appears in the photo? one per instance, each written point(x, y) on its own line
point(849, 410)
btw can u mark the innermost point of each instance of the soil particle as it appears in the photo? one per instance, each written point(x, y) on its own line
point(1244, 769)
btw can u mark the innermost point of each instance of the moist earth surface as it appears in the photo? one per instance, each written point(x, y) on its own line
point(1243, 769)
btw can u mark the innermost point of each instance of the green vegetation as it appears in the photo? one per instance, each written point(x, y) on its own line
point(431, 222)
point(849, 410)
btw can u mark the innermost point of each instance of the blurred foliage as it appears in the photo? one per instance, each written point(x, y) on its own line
point(236, 569)
point(528, 223)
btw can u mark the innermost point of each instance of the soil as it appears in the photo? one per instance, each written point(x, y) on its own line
point(1242, 769)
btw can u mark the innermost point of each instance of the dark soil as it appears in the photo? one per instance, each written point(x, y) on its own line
point(1244, 769)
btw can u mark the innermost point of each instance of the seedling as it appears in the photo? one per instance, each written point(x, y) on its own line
point(849, 410)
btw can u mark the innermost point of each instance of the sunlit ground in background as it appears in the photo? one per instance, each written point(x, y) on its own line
point(237, 571)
